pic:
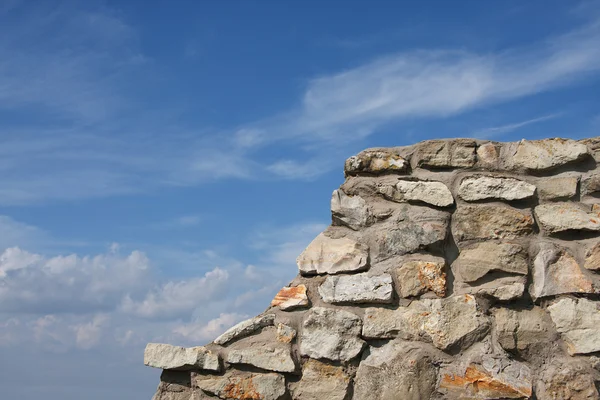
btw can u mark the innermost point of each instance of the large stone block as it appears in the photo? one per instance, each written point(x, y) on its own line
point(244, 386)
point(458, 153)
point(484, 221)
point(165, 356)
point(566, 379)
point(376, 161)
point(322, 381)
point(560, 217)
point(500, 288)
point(429, 192)
point(518, 330)
point(272, 358)
point(331, 334)
point(539, 155)
point(245, 328)
point(578, 322)
point(590, 185)
point(557, 188)
point(477, 260)
point(416, 277)
point(351, 211)
point(359, 288)
point(475, 188)
point(325, 255)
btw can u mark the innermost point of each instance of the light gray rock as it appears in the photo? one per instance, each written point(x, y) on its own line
point(351, 211)
point(490, 187)
point(285, 333)
point(165, 356)
point(494, 378)
point(242, 385)
point(430, 192)
point(523, 329)
point(245, 328)
point(397, 370)
point(322, 381)
point(457, 153)
point(484, 221)
point(488, 156)
point(359, 288)
point(455, 321)
point(476, 261)
point(592, 258)
point(375, 161)
point(545, 154)
point(325, 255)
point(560, 217)
point(566, 379)
point(556, 188)
point(578, 322)
point(278, 359)
point(502, 288)
point(555, 271)
point(331, 334)
point(590, 184)
point(419, 276)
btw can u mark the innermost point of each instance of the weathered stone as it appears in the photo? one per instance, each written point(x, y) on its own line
point(546, 154)
point(397, 370)
point(165, 356)
point(593, 145)
point(434, 193)
point(351, 211)
point(566, 379)
point(520, 330)
point(555, 271)
point(175, 385)
point(418, 277)
point(290, 298)
point(590, 185)
point(278, 359)
point(490, 187)
point(560, 217)
point(245, 328)
point(485, 221)
point(562, 188)
point(501, 288)
point(331, 334)
point(451, 322)
point(322, 381)
point(592, 258)
point(487, 156)
point(494, 378)
point(375, 162)
point(477, 260)
point(578, 322)
point(359, 288)
point(244, 386)
point(285, 334)
point(325, 255)
point(459, 153)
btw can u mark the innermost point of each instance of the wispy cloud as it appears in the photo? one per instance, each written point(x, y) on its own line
point(496, 130)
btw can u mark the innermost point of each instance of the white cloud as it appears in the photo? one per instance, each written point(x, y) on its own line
point(87, 335)
point(490, 132)
point(200, 332)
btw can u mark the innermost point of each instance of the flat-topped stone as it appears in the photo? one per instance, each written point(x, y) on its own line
point(477, 260)
point(166, 356)
point(277, 359)
point(429, 192)
point(486, 221)
point(557, 188)
point(325, 255)
point(567, 216)
point(457, 153)
point(492, 187)
point(359, 288)
point(376, 161)
point(539, 155)
point(578, 322)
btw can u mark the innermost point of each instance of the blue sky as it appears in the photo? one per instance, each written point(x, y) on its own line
point(163, 163)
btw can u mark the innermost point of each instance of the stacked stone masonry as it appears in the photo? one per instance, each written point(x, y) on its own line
point(453, 269)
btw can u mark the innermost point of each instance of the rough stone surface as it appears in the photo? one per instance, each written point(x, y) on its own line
point(326, 255)
point(592, 258)
point(397, 370)
point(500, 288)
point(560, 217)
point(245, 328)
point(359, 288)
point(376, 162)
point(165, 356)
point(490, 222)
point(417, 277)
point(546, 154)
point(475, 261)
point(491, 187)
point(434, 193)
point(566, 379)
point(351, 211)
point(458, 153)
point(494, 378)
point(331, 334)
point(578, 322)
point(521, 329)
point(285, 333)
point(244, 386)
point(278, 359)
point(590, 185)
point(488, 156)
point(175, 385)
point(322, 381)
point(559, 188)
point(290, 298)
point(556, 271)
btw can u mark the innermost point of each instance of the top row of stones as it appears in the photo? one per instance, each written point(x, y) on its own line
point(535, 155)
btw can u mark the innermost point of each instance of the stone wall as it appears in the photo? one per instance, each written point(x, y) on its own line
point(453, 269)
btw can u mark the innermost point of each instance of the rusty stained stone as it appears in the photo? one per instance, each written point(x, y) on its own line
point(375, 162)
point(417, 277)
point(290, 298)
point(244, 386)
point(481, 385)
